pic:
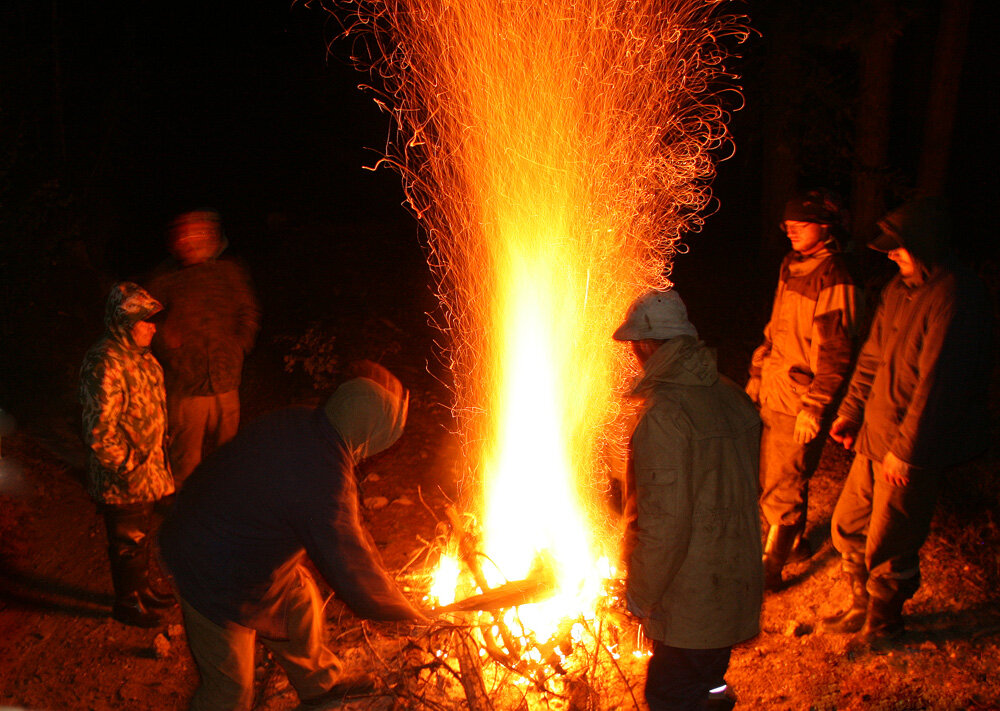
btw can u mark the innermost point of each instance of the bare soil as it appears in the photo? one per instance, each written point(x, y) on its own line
point(60, 649)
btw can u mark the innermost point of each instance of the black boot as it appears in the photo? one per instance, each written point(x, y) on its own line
point(778, 545)
point(851, 620)
point(884, 619)
point(801, 549)
point(127, 553)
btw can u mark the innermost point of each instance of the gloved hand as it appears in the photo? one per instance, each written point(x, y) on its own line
point(806, 427)
point(753, 389)
point(844, 431)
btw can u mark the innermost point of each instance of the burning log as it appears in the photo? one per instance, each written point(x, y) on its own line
point(518, 592)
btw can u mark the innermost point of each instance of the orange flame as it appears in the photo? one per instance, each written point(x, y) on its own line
point(555, 152)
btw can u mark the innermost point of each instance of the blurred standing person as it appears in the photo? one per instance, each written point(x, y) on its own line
point(693, 546)
point(916, 405)
point(211, 323)
point(796, 374)
point(125, 430)
point(284, 490)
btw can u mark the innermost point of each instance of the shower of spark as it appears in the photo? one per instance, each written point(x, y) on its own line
point(555, 152)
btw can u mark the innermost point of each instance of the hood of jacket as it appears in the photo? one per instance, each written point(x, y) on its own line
point(922, 227)
point(127, 304)
point(683, 360)
point(369, 416)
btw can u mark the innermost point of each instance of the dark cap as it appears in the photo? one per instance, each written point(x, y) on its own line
point(819, 206)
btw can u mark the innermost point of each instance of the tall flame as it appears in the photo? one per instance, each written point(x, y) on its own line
point(555, 152)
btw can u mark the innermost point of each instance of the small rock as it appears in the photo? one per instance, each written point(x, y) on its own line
point(376, 502)
point(373, 477)
point(161, 646)
point(403, 501)
point(175, 631)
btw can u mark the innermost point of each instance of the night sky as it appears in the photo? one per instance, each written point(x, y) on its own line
point(114, 116)
point(142, 109)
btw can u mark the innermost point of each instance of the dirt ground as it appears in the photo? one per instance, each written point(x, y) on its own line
point(60, 649)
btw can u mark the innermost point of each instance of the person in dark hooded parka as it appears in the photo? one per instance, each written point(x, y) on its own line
point(916, 405)
point(246, 520)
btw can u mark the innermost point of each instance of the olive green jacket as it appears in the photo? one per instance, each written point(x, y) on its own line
point(693, 538)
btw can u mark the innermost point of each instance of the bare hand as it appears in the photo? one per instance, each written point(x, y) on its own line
point(844, 431)
point(895, 471)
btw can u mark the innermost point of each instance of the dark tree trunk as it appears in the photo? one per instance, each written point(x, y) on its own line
point(872, 125)
point(943, 96)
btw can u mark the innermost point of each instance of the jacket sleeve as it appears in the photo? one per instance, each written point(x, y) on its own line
point(853, 405)
point(248, 312)
point(762, 351)
point(345, 555)
point(660, 530)
point(832, 344)
point(103, 398)
point(926, 405)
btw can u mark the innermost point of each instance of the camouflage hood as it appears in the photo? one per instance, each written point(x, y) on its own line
point(127, 304)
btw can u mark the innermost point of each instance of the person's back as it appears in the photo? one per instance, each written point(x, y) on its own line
point(705, 421)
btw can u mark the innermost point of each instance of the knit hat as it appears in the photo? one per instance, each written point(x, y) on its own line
point(659, 315)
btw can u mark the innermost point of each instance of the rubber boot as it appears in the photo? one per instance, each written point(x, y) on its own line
point(853, 618)
point(128, 575)
point(776, 549)
point(128, 554)
point(724, 700)
point(884, 619)
point(801, 549)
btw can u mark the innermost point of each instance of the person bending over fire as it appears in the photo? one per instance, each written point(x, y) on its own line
point(125, 430)
point(693, 546)
point(915, 406)
point(282, 490)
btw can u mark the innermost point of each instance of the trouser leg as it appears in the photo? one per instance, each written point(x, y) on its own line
point(900, 521)
point(127, 527)
point(310, 665)
point(851, 515)
point(227, 419)
point(785, 470)
point(681, 679)
point(128, 553)
point(225, 660)
point(187, 418)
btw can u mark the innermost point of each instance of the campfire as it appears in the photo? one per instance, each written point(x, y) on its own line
point(555, 153)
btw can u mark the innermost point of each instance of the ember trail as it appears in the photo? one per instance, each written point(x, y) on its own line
point(555, 153)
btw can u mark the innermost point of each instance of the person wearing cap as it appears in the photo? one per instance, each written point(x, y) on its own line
point(125, 430)
point(915, 406)
point(692, 544)
point(797, 373)
point(283, 490)
point(211, 323)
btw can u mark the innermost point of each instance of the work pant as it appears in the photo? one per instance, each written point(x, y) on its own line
point(785, 469)
point(198, 425)
point(879, 528)
point(680, 679)
point(225, 655)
